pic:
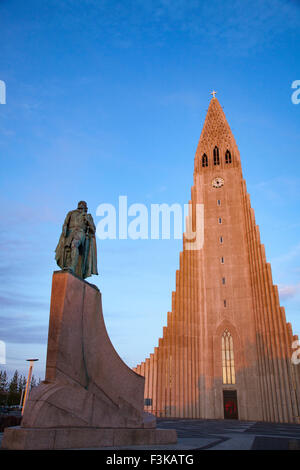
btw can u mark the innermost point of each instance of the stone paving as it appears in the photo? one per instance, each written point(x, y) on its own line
point(236, 435)
point(227, 435)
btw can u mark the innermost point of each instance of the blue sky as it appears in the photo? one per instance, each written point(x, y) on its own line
point(108, 98)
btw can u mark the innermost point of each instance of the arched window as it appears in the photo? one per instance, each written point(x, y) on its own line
point(204, 160)
point(216, 156)
point(227, 157)
point(227, 359)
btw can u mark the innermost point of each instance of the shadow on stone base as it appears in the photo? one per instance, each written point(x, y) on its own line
point(16, 438)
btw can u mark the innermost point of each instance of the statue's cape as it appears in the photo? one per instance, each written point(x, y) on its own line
point(59, 251)
point(90, 251)
point(87, 262)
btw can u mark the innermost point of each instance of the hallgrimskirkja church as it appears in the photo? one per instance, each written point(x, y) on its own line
point(227, 347)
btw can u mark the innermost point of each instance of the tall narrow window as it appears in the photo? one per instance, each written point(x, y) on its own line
point(223, 280)
point(220, 220)
point(222, 260)
point(218, 202)
point(227, 359)
point(227, 157)
point(204, 160)
point(221, 239)
point(216, 156)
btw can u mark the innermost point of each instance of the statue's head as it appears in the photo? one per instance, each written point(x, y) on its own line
point(82, 205)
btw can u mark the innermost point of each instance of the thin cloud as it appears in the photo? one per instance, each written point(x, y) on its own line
point(20, 213)
point(280, 190)
point(291, 255)
point(237, 27)
point(289, 291)
point(17, 301)
point(182, 98)
point(22, 329)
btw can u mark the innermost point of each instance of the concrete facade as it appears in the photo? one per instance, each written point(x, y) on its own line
point(225, 288)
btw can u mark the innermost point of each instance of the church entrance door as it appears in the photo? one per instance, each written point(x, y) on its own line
point(230, 404)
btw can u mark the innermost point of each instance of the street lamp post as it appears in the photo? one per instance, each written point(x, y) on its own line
point(21, 399)
point(31, 361)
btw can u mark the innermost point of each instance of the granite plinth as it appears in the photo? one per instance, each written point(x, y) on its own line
point(89, 397)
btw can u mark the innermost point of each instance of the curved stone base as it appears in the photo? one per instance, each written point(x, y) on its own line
point(17, 438)
point(90, 397)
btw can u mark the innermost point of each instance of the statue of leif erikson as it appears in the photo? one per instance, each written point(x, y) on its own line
point(76, 249)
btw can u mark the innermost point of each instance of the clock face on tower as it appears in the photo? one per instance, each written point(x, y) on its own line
point(217, 182)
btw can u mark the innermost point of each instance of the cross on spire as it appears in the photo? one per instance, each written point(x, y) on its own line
point(213, 93)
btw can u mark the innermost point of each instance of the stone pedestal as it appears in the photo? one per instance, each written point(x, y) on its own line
point(90, 397)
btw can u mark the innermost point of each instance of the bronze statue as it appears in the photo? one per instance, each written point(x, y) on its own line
point(76, 249)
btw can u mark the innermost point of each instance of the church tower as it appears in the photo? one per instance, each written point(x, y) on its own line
point(226, 350)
